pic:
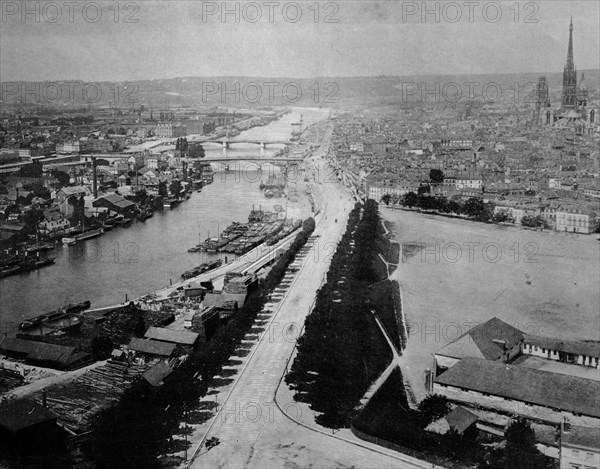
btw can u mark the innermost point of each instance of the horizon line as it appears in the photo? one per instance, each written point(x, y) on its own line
point(294, 78)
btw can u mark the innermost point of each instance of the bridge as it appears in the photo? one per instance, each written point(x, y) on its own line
point(225, 142)
point(265, 159)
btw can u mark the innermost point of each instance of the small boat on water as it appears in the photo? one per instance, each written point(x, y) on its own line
point(125, 221)
point(194, 249)
point(44, 262)
point(5, 272)
point(202, 268)
point(59, 315)
point(69, 241)
point(39, 247)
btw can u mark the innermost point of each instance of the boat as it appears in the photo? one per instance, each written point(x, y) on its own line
point(69, 241)
point(124, 221)
point(77, 307)
point(202, 268)
point(194, 249)
point(39, 247)
point(58, 315)
point(5, 272)
point(44, 262)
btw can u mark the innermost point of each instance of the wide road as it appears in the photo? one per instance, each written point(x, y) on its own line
point(252, 430)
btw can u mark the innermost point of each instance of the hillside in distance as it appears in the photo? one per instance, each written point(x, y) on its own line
point(248, 92)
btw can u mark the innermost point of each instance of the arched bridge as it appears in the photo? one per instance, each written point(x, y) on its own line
point(225, 142)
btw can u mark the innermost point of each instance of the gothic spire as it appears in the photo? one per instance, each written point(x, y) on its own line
point(570, 62)
point(569, 91)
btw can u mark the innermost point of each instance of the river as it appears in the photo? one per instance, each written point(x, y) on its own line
point(147, 255)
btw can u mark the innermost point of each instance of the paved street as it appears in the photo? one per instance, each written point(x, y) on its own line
point(253, 431)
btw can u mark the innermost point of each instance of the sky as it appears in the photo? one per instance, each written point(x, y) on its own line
point(120, 41)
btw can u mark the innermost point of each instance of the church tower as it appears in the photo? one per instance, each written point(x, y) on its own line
point(569, 91)
point(582, 93)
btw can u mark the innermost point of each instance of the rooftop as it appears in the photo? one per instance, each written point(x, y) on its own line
point(582, 437)
point(170, 335)
point(153, 347)
point(579, 347)
point(569, 393)
point(484, 341)
point(23, 413)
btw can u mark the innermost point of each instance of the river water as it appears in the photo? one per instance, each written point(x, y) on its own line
point(147, 255)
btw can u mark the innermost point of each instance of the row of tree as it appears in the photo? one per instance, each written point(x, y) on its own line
point(341, 351)
point(192, 150)
point(473, 208)
point(140, 428)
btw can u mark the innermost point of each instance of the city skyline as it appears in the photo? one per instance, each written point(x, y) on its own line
point(183, 39)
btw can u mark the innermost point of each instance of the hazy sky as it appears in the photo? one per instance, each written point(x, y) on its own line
point(174, 39)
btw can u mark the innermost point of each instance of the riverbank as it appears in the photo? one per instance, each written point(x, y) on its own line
point(455, 274)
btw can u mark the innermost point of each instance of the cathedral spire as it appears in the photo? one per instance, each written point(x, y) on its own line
point(570, 61)
point(569, 91)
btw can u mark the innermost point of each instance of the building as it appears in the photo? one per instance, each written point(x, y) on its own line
point(569, 351)
point(397, 190)
point(68, 147)
point(569, 90)
point(28, 424)
point(184, 338)
point(516, 211)
point(575, 220)
point(194, 127)
point(494, 340)
point(574, 112)
point(514, 390)
point(169, 130)
point(53, 221)
point(460, 420)
point(116, 203)
point(579, 447)
point(156, 375)
point(59, 357)
point(151, 348)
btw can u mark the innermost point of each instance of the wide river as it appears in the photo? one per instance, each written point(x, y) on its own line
point(147, 255)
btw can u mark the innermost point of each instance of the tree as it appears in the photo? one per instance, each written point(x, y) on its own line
point(62, 177)
point(521, 451)
point(475, 208)
point(531, 221)
point(433, 407)
point(386, 199)
point(410, 199)
point(162, 189)
point(32, 219)
point(176, 187)
point(502, 216)
point(436, 176)
point(196, 151)
point(102, 346)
